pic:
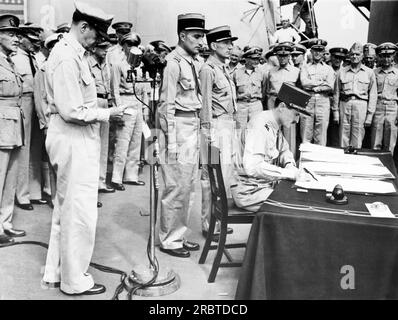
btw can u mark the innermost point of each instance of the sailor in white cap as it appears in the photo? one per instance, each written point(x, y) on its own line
point(74, 150)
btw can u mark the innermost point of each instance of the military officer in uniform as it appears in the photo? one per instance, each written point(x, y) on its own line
point(234, 60)
point(298, 55)
point(11, 123)
point(337, 56)
point(317, 78)
point(355, 99)
point(369, 55)
point(219, 111)
point(63, 28)
point(249, 81)
point(73, 145)
point(285, 72)
point(115, 54)
point(385, 121)
point(179, 106)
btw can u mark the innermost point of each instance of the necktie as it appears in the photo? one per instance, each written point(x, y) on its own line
point(32, 64)
point(195, 76)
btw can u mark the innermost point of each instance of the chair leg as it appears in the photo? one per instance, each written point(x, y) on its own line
point(209, 239)
point(219, 254)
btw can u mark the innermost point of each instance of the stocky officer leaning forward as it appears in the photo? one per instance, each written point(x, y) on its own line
point(285, 72)
point(266, 157)
point(179, 105)
point(74, 150)
point(355, 99)
point(11, 132)
point(317, 78)
point(128, 137)
point(384, 125)
point(218, 113)
point(249, 81)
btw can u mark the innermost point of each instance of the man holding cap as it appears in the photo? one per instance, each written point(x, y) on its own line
point(385, 121)
point(218, 113)
point(355, 99)
point(317, 78)
point(11, 122)
point(249, 81)
point(266, 157)
point(74, 150)
point(180, 102)
point(285, 72)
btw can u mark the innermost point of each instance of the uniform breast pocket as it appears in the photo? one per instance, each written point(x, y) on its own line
point(346, 85)
point(87, 79)
point(363, 84)
point(220, 85)
point(9, 132)
point(187, 84)
point(392, 82)
point(8, 87)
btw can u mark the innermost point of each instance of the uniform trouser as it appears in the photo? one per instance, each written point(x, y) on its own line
point(8, 185)
point(352, 121)
point(74, 152)
point(179, 178)
point(104, 137)
point(223, 133)
point(22, 193)
point(288, 132)
point(333, 130)
point(246, 110)
point(128, 147)
point(314, 128)
point(249, 197)
point(37, 168)
point(384, 129)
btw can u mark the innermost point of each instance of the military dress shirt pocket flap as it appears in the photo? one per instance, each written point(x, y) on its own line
point(220, 84)
point(363, 83)
point(392, 81)
point(10, 128)
point(187, 84)
point(346, 84)
point(87, 79)
point(8, 86)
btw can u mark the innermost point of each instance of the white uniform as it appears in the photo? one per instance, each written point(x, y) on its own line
point(74, 149)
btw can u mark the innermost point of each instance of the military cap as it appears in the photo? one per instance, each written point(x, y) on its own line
point(317, 44)
point(131, 37)
point(299, 49)
point(31, 28)
point(191, 21)
point(160, 46)
point(253, 53)
point(122, 27)
point(95, 17)
point(112, 38)
point(356, 47)
point(55, 37)
point(63, 28)
point(386, 48)
point(269, 54)
point(103, 44)
point(283, 48)
point(305, 43)
point(219, 34)
point(369, 49)
point(339, 52)
point(9, 22)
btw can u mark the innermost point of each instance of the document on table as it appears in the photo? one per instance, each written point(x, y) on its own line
point(340, 158)
point(356, 185)
point(379, 210)
point(309, 147)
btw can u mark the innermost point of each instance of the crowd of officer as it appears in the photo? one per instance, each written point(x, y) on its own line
point(74, 101)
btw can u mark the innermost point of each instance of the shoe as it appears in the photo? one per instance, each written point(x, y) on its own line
point(51, 285)
point(99, 204)
point(15, 233)
point(25, 206)
point(107, 189)
point(5, 240)
point(191, 246)
point(216, 235)
point(39, 202)
point(118, 186)
point(96, 289)
point(180, 252)
point(134, 183)
point(50, 204)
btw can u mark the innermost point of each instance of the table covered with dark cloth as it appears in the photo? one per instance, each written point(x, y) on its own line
point(299, 254)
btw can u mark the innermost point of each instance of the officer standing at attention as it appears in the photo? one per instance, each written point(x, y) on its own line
point(218, 112)
point(100, 70)
point(337, 56)
point(298, 55)
point(74, 149)
point(385, 121)
point(179, 106)
point(369, 55)
point(11, 123)
point(249, 81)
point(234, 60)
point(115, 53)
point(285, 72)
point(317, 78)
point(355, 99)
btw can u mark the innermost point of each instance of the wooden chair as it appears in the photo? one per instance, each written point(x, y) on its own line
point(224, 211)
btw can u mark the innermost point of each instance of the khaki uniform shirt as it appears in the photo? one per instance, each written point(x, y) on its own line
point(40, 95)
point(218, 90)
point(11, 133)
point(70, 85)
point(277, 76)
point(361, 83)
point(115, 54)
point(249, 84)
point(23, 67)
point(101, 75)
point(387, 83)
point(317, 77)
